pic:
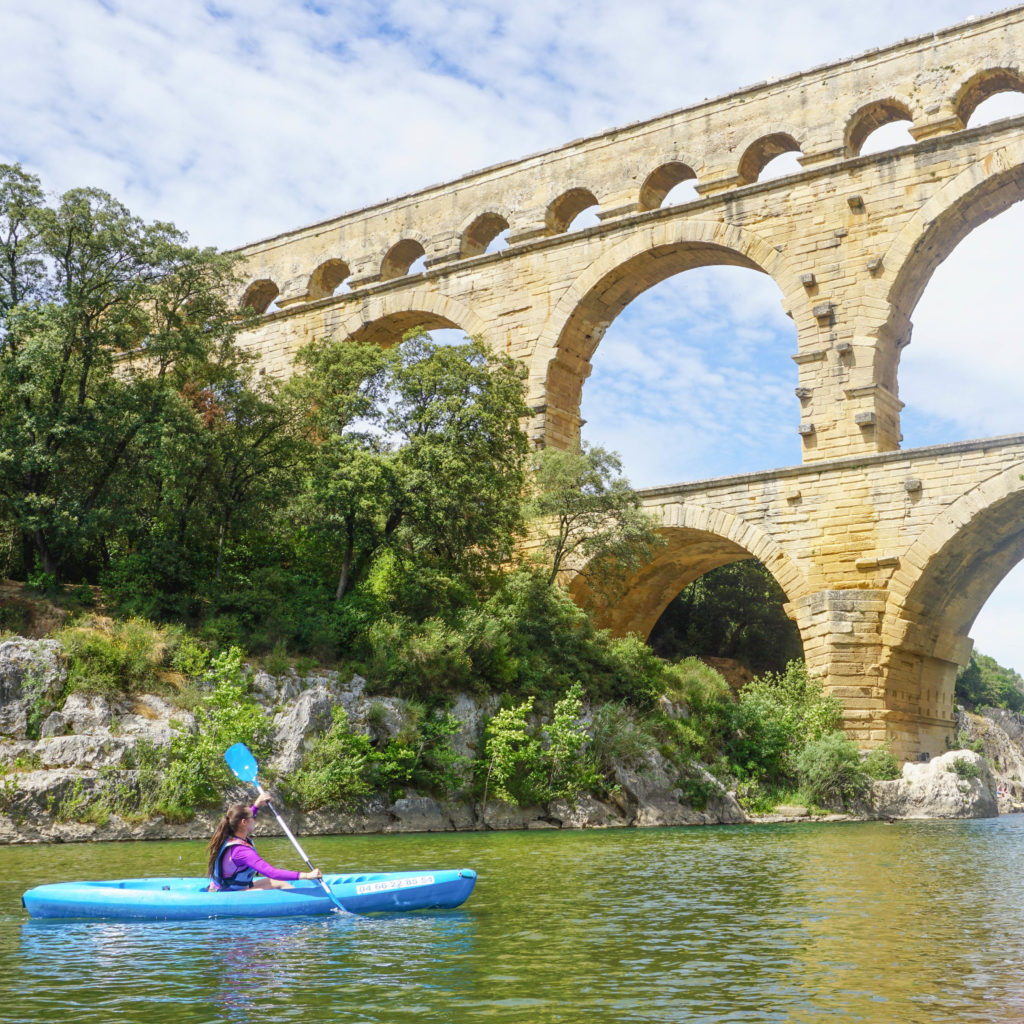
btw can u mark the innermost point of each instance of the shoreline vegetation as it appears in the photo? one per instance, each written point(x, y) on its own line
point(116, 729)
point(196, 540)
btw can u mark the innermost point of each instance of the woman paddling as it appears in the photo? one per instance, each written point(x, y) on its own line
point(234, 862)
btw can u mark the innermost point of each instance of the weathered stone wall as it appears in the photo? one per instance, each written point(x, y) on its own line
point(885, 561)
point(850, 241)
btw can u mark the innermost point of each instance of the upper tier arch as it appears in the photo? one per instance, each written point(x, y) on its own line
point(623, 272)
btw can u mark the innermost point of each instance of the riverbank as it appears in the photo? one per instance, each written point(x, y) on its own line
point(76, 779)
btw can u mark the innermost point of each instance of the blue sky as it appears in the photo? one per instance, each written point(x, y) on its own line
point(241, 120)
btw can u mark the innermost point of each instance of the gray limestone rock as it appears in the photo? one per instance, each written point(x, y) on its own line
point(503, 817)
point(1001, 736)
point(86, 713)
point(587, 812)
point(53, 725)
point(471, 715)
point(935, 790)
point(297, 726)
point(652, 797)
point(13, 719)
point(82, 752)
point(419, 814)
point(38, 663)
point(28, 669)
point(153, 719)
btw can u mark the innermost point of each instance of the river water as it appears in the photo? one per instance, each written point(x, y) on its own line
point(868, 922)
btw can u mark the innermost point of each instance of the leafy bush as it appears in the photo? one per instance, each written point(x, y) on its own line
point(618, 739)
point(519, 768)
point(571, 770)
point(196, 775)
point(780, 714)
point(983, 682)
point(333, 772)
point(112, 657)
point(881, 763)
point(830, 771)
point(514, 764)
point(965, 768)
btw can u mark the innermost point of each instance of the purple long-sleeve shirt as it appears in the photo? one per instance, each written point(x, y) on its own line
point(241, 855)
point(244, 856)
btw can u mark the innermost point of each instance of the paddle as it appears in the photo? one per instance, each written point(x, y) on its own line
point(243, 764)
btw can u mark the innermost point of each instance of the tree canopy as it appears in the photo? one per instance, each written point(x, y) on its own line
point(590, 519)
point(108, 326)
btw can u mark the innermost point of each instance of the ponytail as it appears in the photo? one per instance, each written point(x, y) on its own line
point(226, 828)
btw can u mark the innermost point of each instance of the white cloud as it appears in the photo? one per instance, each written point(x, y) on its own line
point(238, 120)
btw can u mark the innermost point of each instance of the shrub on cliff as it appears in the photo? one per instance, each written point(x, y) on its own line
point(781, 712)
point(195, 774)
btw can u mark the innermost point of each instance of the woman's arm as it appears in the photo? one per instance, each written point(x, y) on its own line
point(246, 856)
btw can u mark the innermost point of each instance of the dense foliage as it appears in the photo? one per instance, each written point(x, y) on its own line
point(985, 683)
point(594, 522)
point(735, 611)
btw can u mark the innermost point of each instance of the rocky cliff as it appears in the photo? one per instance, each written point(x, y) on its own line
point(86, 747)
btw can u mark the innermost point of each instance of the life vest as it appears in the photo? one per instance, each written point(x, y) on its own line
point(242, 878)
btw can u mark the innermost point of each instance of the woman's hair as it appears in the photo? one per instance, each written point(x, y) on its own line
point(226, 828)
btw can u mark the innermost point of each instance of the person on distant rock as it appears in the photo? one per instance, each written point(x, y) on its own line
point(234, 862)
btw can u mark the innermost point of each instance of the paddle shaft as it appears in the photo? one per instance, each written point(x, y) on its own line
point(301, 852)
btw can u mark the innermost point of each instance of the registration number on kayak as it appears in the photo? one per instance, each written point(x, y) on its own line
point(394, 883)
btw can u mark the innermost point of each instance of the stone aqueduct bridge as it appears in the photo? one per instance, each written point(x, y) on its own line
point(886, 557)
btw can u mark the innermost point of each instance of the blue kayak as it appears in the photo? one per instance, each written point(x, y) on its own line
point(187, 899)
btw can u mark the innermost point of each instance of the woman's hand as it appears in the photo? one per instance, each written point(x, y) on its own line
point(313, 875)
point(262, 800)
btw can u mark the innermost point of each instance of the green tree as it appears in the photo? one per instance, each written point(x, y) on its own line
point(104, 320)
point(572, 769)
point(590, 517)
point(780, 713)
point(514, 762)
point(420, 452)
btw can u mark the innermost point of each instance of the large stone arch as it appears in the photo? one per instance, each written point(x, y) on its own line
point(944, 579)
point(561, 360)
point(383, 319)
point(963, 556)
point(696, 539)
point(978, 193)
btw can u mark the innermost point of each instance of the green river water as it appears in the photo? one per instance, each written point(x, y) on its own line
point(910, 922)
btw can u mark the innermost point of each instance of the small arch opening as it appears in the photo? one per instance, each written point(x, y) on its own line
point(675, 180)
point(481, 235)
point(328, 279)
point(772, 156)
point(404, 257)
point(889, 136)
point(565, 211)
point(259, 296)
point(983, 87)
point(877, 127)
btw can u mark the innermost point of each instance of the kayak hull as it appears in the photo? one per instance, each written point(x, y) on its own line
point(187, 899)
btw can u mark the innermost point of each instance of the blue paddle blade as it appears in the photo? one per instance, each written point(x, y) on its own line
point(241, 762)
